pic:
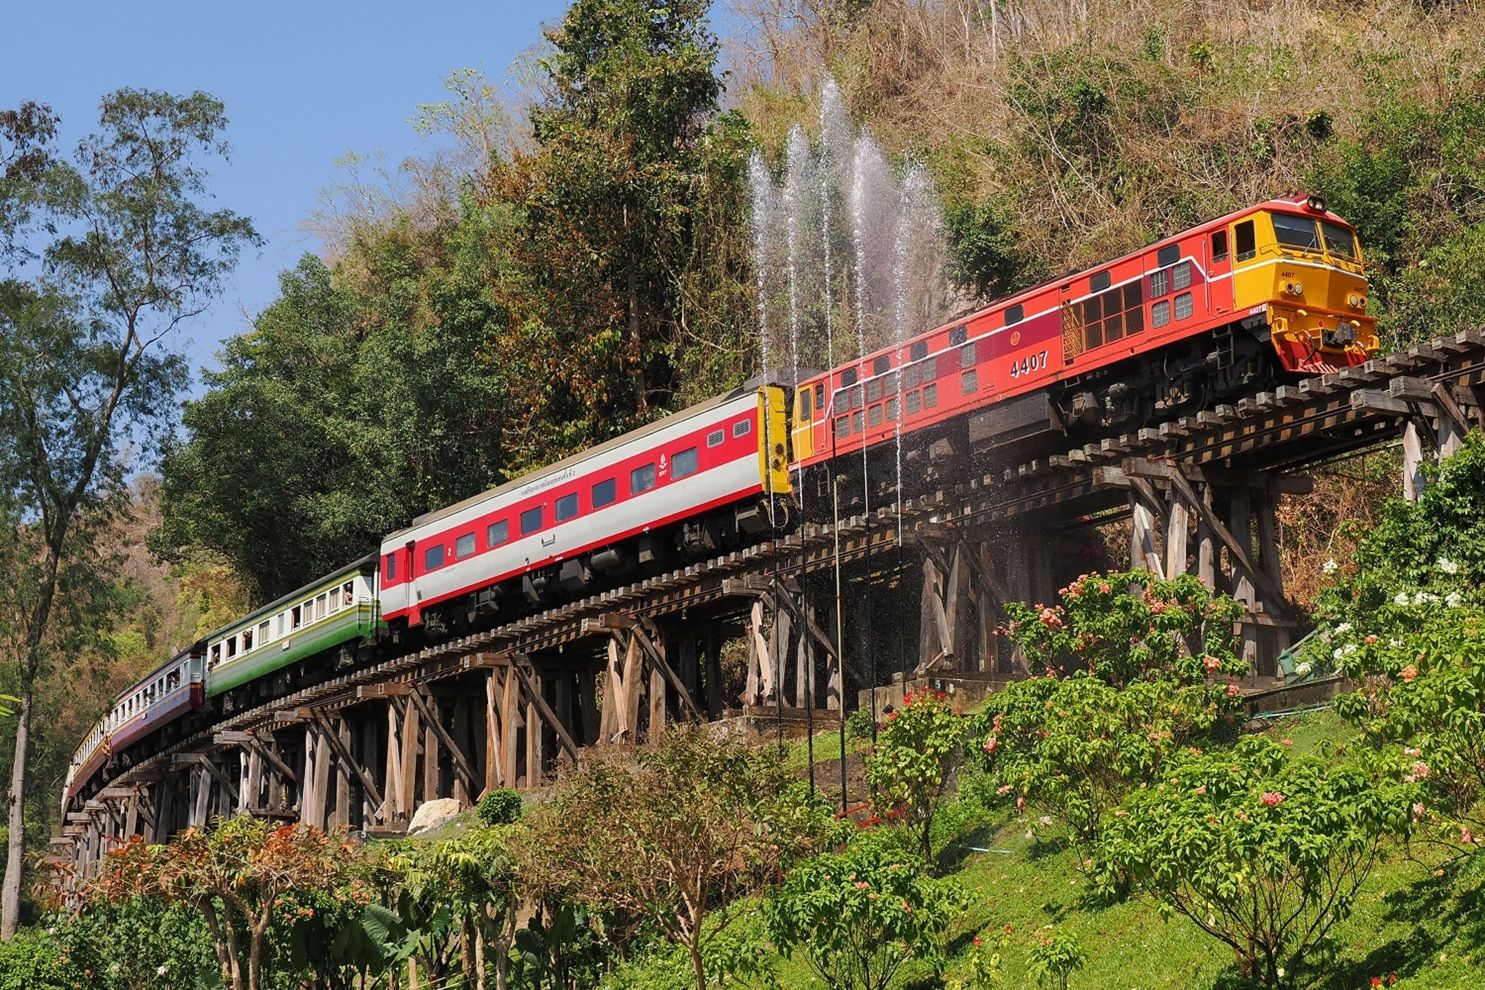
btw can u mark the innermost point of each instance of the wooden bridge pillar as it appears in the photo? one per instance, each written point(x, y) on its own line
point(788, 649)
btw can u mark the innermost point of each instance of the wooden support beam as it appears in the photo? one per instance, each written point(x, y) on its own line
point(643, 632)
point(388, 689)
point(341, 750)
point(1444, 396)
point(534, 696)
point(461, 762)
point(1273, 592)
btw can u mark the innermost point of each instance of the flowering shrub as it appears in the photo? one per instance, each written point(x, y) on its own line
point(861, 914)
point(1129, 626)
point(1261, 850)
point(1055, 956)
point(917, 750)
point(1070, 749)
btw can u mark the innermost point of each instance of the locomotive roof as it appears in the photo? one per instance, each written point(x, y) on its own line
point(578, 458)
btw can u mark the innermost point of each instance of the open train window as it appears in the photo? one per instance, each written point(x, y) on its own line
point(604, 492)
point(531, 520)
point(642, 479)
point(296, 617)
point(567, 507)
point(464, 546)
point(1247, 243)
point(497, 533)
point(348, 592)
point(433, 557)
point(683, 464)
point(1219, 246)
point(247, 640)
point(745, 426)
point(1015, 314)
point(231, 647)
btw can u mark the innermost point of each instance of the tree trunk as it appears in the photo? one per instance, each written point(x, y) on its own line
point(694, 948)
point(10, 897)
point(641, 386)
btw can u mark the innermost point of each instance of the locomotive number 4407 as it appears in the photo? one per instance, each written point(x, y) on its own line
point(1028, 364)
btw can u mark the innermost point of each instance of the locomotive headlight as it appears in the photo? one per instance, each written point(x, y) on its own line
point(1315, 203)
point(1294, 288)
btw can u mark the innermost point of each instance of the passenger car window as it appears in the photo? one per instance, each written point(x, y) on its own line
point(683, 464)
point(464, 546)
point(745, 426)
point(433, 558)
point(642, 479)
point(497, 533)
point(531, 520)
point(604, 492)
point(567, 507)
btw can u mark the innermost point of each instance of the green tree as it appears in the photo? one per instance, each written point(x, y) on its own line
point(860, 915)
point(633, 181)
point(913, 760)
point(83, 368)
point(674, 837)
point(1260, 850)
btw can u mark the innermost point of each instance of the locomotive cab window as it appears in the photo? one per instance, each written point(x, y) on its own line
point(464, 546)
point(1219, 246)
point(1296, 232)
point(432, 558)
point(531, 520)
point(683, 464)
point(880, 365)
point(1338, 240)
point(642, 479)
point(1015, 314)
point(497, 533)
point(1246, 242)
point(604, 492)
point(567, 507)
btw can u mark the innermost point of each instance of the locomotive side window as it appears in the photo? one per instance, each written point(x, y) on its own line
point(432, 559)
point(969, 381)
point(531, 520)
point(848, 378)
point(1168, 255)
point(642, 479)
point(1159, 282)
point(914, 402)
point(958, 335)
point(930, 369)
point(891, 409)
point(391, 566)
point(874, 416)
point(567, 507)
point(1219, 246)
point(842, 426)
point(604, 493)
point(464, 546)
point(1180, 276)
point(683, 464)
point(1183, 305)
point(497, 533)
point(1247, 243)
point(1015, 314)
point(745, 426)
point(1099, 282)
point(858, 422)
point(873, 390)
point(1160, 313)
point(918, 351)
point(930, 396)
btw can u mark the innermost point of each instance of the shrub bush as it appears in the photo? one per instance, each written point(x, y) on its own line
point(916, 752)
point(33, 961)
point(501, 806)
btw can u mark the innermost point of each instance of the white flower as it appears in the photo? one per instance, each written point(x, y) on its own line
point(1343, 628)
point(1424, 598)
point(1452, 599)
point(1343, 652)
point(1329, 567)
point(1304, 669)
point(1448, 566)
point(159, 970)
point(1401, 598)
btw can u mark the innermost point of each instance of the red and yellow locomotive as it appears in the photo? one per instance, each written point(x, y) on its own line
point(1265, 295)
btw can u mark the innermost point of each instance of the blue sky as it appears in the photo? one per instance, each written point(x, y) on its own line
point(304, 84)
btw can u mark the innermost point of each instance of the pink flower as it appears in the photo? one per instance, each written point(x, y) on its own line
point(1413, 751)
point(976, 942)
point(1467, 836)
point(991, 744)
point(1202, 789)
point(1271, 799)
point(1103, 587)
point(1409, 672)
point(1232, 690)
point(1418, 809)
point(1371, 640)
point(1004, 789)
point(1286, 742)
point(1020, 804)
point(862, 885)
point(1419, 772)
point(1050, 619)
point(1212, 664)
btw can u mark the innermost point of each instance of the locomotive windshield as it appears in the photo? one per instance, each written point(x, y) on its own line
point(1308, 234)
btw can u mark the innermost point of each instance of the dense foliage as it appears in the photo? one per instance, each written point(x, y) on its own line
point(910, 767)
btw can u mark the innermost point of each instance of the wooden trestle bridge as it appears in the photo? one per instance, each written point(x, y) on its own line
point(922, 594)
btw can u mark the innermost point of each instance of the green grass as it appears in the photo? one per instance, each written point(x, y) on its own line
point(1428, 930)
